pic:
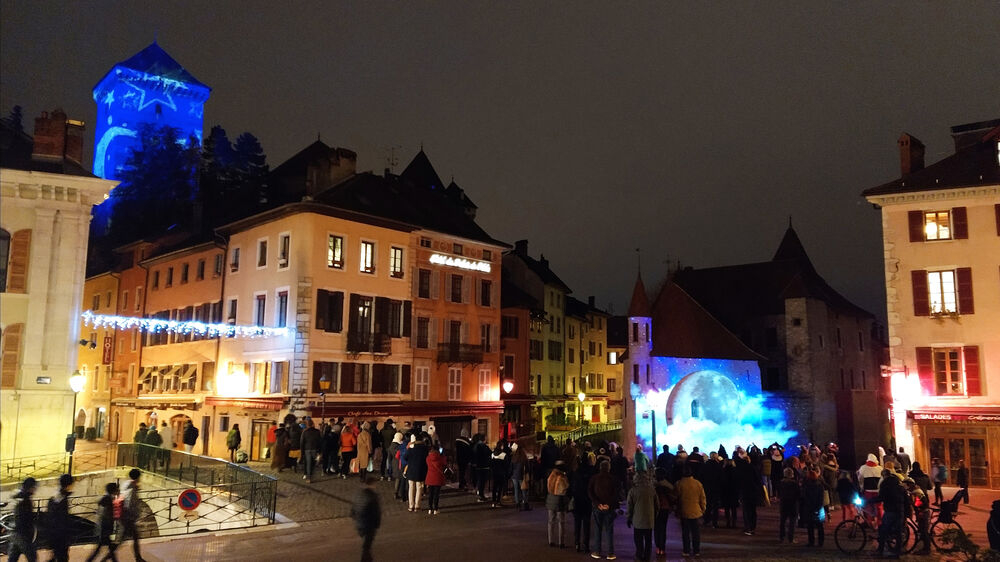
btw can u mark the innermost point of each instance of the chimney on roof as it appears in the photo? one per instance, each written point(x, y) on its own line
point(58, 138)
point(521, 247)
point(911, 154)
point(543, 261)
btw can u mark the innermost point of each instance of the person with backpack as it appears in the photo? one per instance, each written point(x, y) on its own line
point(940, 476)
point(233, 440)
point(106, 522)
point(22, 538)
point(59, 521)
point(131, 510)
point(556, 502)
point(665, 499)
point(642, 508)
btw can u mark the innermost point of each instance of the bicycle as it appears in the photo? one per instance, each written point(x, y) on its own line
point(6, 527)
point(852, 536)
point(944, 522)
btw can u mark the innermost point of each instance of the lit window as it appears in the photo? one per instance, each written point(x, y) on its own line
point(454, 384)
point(937, 225)
point(396, 262)
point(948, 371)
point(234, 261)
point(259, 309)
point(943, 297)
point(335, 252)
point(282, 311)
point(485, 386)
point(367, 262)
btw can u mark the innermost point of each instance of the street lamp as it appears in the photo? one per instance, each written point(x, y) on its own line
point(508, 385)
point(76, 383)
point(324, 385)
point(651, 414)
point(579, 411)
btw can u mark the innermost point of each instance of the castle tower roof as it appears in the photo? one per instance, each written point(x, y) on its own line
point(639, 305)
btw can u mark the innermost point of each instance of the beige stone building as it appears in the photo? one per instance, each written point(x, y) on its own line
point(941, 233)
point(44, 219)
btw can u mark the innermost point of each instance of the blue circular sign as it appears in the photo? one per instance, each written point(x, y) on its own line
point(189, 499)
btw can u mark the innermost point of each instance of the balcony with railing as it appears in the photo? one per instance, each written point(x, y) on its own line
point(380, 344)
point(460, 353)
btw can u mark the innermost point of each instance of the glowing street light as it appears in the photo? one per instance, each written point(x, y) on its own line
point(508, 385)
point(324, 385)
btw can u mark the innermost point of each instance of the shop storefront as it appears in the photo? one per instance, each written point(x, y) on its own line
point(960, 434)
point(254, 415)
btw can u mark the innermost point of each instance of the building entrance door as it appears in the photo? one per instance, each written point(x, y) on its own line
point(258, 439)
point(967, 444)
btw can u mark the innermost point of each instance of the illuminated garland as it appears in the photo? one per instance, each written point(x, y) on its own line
point(156, 325)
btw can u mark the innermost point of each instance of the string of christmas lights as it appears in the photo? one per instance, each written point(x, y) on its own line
point(156, 325)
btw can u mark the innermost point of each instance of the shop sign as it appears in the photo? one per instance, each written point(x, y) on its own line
point(461, 263)
point(957, 417)
point(274, 405)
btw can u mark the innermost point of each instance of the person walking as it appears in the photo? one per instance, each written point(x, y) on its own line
point(106, 523)
point(812, 506)
point(790, 495)
point(691, 503)
point(518, 473)
point(329, 445)
point(309, 443)
point(131, 511)
point(415, 472)
point(294, 442)
point(22, 537)
point(279, 459)
point(435, 479)
point(348, 450)
point(190, 437)
point(365, 450)
point(666, 500)
point(367, 514)
point(481, 457)
point(556, 502)
point(59, 521)
point(500, 469)
point(603, 490)
point(270, 439)
point(463, 457)
point(940, 476)
point(750, 491)
point(642, 506)
point(962, 480)
point(711, 480)
point(579, 483)
point(233, 440)
point(904, 461)
point(153, 440)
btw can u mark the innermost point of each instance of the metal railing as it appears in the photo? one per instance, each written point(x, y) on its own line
point(590, 429)
point(53, 465)
point(369, 343)
point(460, 353)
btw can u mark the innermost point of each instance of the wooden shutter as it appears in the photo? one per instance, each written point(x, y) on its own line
point(322, 310)
point(432, 333)
point(404, 380)
point(17, 270)
point(336, 312)
point(347, 378)
point(381, 315)
point(316, 375)
point(466, 288)
point(925, 370)
point(959, 223)
point(10, 354)
point(973, 386)
point(447, 287)
point(352, 314)
point(435, 284)
point(963, 282)
point(996, 211)
point(916, 219)
point(378, 378)
point(407, 318)
point(921, 298)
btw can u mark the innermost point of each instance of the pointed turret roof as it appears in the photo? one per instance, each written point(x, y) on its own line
point(154, 60)
point(421, 172)
point(791, 249)
point(638, 307)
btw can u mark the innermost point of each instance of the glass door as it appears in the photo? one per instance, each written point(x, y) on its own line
point(978, 473)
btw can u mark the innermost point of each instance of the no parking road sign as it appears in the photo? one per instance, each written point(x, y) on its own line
point(189, 499)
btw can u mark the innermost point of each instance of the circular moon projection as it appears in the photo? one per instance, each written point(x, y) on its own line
point(707, 395)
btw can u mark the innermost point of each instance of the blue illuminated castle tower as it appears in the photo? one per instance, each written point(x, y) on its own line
point(637, 372)
point(150, 87)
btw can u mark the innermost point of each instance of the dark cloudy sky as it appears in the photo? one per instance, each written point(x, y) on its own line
point(690, 130)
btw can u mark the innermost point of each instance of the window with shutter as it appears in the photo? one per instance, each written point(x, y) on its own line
point(921, 300)
point(973, 384)
point(916, 225)
point(17, 268)
point(925, 370)
point(10, 354)
point(960, 223)
point(407, 319)
point(322, 309)
point(347, 378)
point(404, 380)
point(996, 211)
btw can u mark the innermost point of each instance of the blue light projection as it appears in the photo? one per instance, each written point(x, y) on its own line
point(707, 403)
point(150, 87)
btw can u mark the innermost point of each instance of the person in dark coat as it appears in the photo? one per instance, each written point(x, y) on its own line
point(790, 493)
point(550, 454)
point(500, 469)
point(666, 498)
point(518, 474)
point(619, 470)
point(481, 458)
point(386, 435)
point(920, 477)
point(279, 458)
point(59, 521)
point(711, 480)
point(730, 492)
point(604, 492)
point(367, 514)
point(309, 442)
point(750, 490)
point(22, 538)
point(190, 436)
point(665, 460)
point(416, 471)
point(893, 497)
point(106, 523)
point(993, 526)
point(962, 480)
point(582, 508)
point(329, 447)
point(463, 457)
point(812, 507)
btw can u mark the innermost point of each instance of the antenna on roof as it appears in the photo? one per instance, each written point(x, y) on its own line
point(318, 136)
point(391, 160)
point(789, 221)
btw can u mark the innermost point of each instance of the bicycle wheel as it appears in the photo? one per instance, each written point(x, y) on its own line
point(850, 536)
point(941, 542)
point(910, 536)
point(6, 529)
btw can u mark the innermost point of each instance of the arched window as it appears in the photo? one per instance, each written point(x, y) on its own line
point(4, 258)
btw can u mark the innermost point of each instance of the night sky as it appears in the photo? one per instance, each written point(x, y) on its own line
point(692, 132)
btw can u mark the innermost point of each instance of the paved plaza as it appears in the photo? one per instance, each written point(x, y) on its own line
point(314, 524)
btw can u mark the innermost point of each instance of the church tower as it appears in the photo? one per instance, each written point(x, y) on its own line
point(150, 87)
point(638, 370)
